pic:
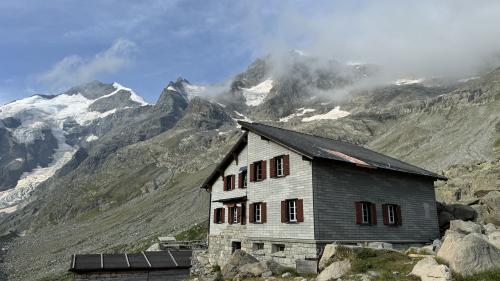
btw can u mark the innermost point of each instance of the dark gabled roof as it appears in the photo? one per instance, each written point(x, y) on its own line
point(240, 144)
point(162, 260)
point(315, 147)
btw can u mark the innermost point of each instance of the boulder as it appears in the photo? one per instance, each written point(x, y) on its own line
point(494, 238)
point(255, 269)
point(464, 227)
point(237, 259)
point(429, 270)
point(468, 254)
point(275, 267)
point(215, 276)
point(286, 275)
point(334, 271)
point(489, 228)
point(492, 202)
point(328, 253)
point(436, 244)
point(464, 212)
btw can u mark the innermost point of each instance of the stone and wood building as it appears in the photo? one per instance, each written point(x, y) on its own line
point(283, 195)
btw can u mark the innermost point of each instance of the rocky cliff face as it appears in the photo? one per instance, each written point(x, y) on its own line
point(134, 173)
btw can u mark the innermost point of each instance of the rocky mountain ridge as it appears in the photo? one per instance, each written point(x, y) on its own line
point(140, 178)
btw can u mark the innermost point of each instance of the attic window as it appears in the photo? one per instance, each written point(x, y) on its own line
point(258, 171)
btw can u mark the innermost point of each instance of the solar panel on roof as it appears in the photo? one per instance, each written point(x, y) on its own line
point(183, 258)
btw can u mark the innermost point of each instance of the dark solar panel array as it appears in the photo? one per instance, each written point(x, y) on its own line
point(138, 261)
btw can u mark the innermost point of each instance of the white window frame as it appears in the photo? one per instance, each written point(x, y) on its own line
point(280, 166)
point(391, 214)
point(258, 171)
point(235, 214)
point(292, 210)
point(258, 212)
point(365, 213)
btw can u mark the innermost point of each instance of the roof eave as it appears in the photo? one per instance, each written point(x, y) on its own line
point(216, 172)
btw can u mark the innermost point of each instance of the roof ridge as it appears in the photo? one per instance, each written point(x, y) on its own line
point(307, 134)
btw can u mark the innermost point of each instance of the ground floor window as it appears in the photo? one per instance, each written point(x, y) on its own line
point(278, 248)
point(258, 246)
point(366, 213)
point(235, 245)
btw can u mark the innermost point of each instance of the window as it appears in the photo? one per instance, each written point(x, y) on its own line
point(235, 245)
point(244, 179)
point(280, 166)
point(219, 215)
point(229, 182)
point(391, 214)
point(391, 211)
point(258, 246)
point(258, 171)
point(258, 212)
point(234, 214)
point(292, 210)
point(365, 213)
point(278, 248)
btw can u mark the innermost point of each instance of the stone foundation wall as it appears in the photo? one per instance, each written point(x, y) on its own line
point(220, 249)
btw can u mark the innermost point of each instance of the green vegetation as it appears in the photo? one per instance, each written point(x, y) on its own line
point(196, 232)
point(390, 265)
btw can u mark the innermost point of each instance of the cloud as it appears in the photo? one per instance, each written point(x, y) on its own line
point(74, 69)
point(407, 38)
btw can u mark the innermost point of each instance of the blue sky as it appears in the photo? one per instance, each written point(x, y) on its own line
point(47, 46)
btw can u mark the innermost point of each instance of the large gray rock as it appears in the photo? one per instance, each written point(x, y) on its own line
point(429, 270)
point(494, 238)
point(468, 254)
point(464, 227)
point(255, 269)
point(489, 228)
point(328, 253)
point(275, 267)
point(237, 259)
point(334, 271)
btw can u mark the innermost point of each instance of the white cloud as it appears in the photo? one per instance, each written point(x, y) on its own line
point(414, 38)
point(74, 69)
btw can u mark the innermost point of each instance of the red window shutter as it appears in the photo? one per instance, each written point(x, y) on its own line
point(252, 173)
point(225, 183)
point(263, 163)
point(215, 216)
point(399, 219)
point(385, 213)
point(283, 212)
point(286, 164)
point(233, 179)
point(373, 214)
point(238, 213)
point(263, 212)
point(230, 215)
point(240, 180)
point(300, 210)
point(272, 167)
point(251, 215)
point(223, 215)
point(358, 206)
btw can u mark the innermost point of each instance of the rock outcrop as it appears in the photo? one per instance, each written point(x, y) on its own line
point(469, 254)
point(334, 271)
point(237, 259)
point(429, 270)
